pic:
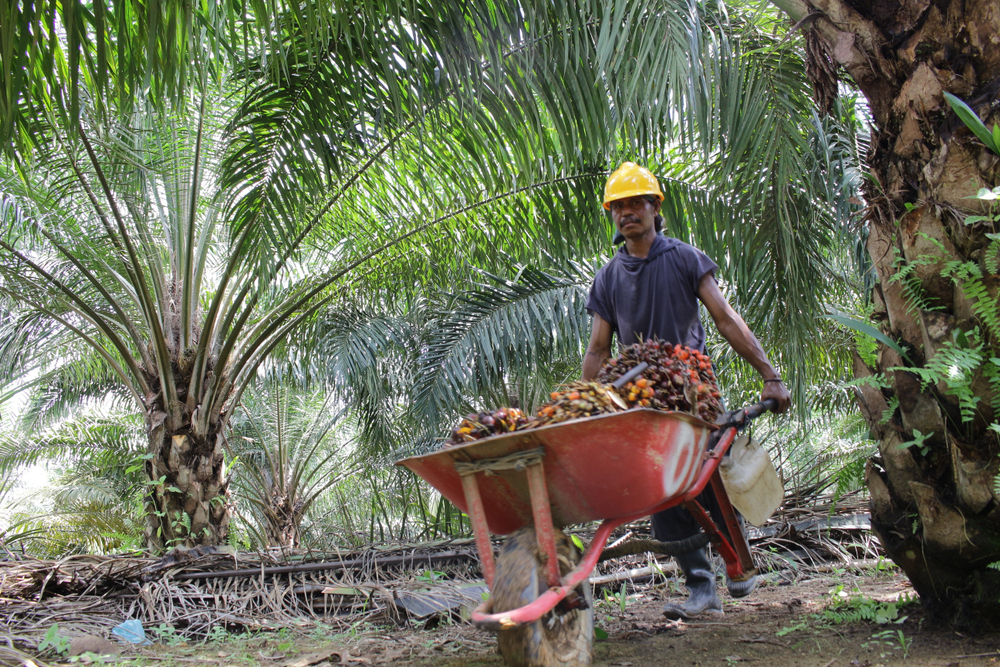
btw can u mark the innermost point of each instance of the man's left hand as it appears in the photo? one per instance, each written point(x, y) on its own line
point(779, 392)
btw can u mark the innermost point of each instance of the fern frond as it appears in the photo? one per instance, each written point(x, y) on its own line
point(956, 366)
point(912, 285)
point(992, 256)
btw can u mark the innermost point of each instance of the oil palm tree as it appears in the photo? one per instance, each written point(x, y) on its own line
point(135, 240)
point(287, 453)
point(931, 395)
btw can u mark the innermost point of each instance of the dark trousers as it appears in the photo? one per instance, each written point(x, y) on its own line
point(676, 523)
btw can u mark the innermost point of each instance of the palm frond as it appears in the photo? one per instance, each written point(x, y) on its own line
point(95, 443)
point(500, 328)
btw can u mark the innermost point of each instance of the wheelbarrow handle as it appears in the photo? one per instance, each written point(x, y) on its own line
point(757, 409)
point(751, 412)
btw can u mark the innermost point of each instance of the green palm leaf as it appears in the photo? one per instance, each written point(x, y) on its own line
point(501, 328)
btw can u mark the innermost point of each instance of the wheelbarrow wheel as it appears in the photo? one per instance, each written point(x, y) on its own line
point(561, 638)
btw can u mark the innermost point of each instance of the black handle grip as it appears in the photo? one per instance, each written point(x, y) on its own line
point(629, 376)
point(751, 412)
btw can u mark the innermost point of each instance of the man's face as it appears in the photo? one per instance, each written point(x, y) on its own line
point(634, 216)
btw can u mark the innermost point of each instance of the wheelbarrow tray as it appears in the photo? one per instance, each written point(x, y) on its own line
point(614, 465)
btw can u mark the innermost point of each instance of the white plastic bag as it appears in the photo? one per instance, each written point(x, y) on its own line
point(751, 481)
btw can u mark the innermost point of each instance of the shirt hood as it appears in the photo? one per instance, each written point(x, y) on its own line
point(661, 244)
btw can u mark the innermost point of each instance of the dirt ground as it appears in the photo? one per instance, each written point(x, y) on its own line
point(791, 625)
point(802, 623)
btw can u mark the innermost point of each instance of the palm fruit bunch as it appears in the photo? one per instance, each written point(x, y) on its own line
point(577, 400)
point(484, 424)
point(678, 378)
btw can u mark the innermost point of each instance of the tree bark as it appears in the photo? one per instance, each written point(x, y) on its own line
point(284, 518)
point(933, 505)
point(187, 503)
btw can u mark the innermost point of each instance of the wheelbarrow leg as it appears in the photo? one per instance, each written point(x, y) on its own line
point(549, 599)
point(477, 514)
point(736, 536)
point(542, 515)
point(734, 568)
point(735, 551)
point(739, 563)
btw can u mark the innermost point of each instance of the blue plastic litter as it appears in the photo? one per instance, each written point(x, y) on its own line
point(131, 631)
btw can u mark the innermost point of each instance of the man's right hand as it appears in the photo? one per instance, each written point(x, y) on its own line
point(779, 392)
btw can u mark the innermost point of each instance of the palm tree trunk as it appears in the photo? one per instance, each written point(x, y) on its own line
point(284, 517)
point(187, 503)
point(933, 505)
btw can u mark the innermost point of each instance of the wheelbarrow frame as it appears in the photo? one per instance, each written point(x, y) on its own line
point(735, 553)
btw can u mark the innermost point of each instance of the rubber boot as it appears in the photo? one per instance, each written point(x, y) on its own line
point(741, 589)
point(699, 576)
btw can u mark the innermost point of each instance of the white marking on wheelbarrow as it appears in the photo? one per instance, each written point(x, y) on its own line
point(677, 479)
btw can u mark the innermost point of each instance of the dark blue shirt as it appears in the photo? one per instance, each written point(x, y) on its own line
point(655, 296)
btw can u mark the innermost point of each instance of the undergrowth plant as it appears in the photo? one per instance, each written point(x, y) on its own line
point(847, 609)
point(54, 641)
point(887, 641)
point(618, 599)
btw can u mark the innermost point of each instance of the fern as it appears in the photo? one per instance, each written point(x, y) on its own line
point(852, 474)
point(991, 372)
point(992, 255)
point(890, 409)
point(860, 608)
point(970, 278)
point(876, 381)
point(956, 365)
point(844, 617)
point(910, 282)
point(959, 270)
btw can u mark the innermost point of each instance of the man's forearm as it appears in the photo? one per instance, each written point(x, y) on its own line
point(598, 349)
point(747, 346)
point(738, 335)
point(592, 362)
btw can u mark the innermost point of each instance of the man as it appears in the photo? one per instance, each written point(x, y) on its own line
point(651, 288)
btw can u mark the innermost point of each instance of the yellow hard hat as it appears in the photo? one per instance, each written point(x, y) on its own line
point(630, 180)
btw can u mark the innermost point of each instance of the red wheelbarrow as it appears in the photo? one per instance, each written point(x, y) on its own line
point(614, 468)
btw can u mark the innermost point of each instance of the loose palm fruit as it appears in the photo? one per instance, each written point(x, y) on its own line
point(577, 400)
point(677, 378)
point(485, 424)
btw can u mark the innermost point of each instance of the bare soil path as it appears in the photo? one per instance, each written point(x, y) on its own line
point(812, 622)
point(795, 625)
